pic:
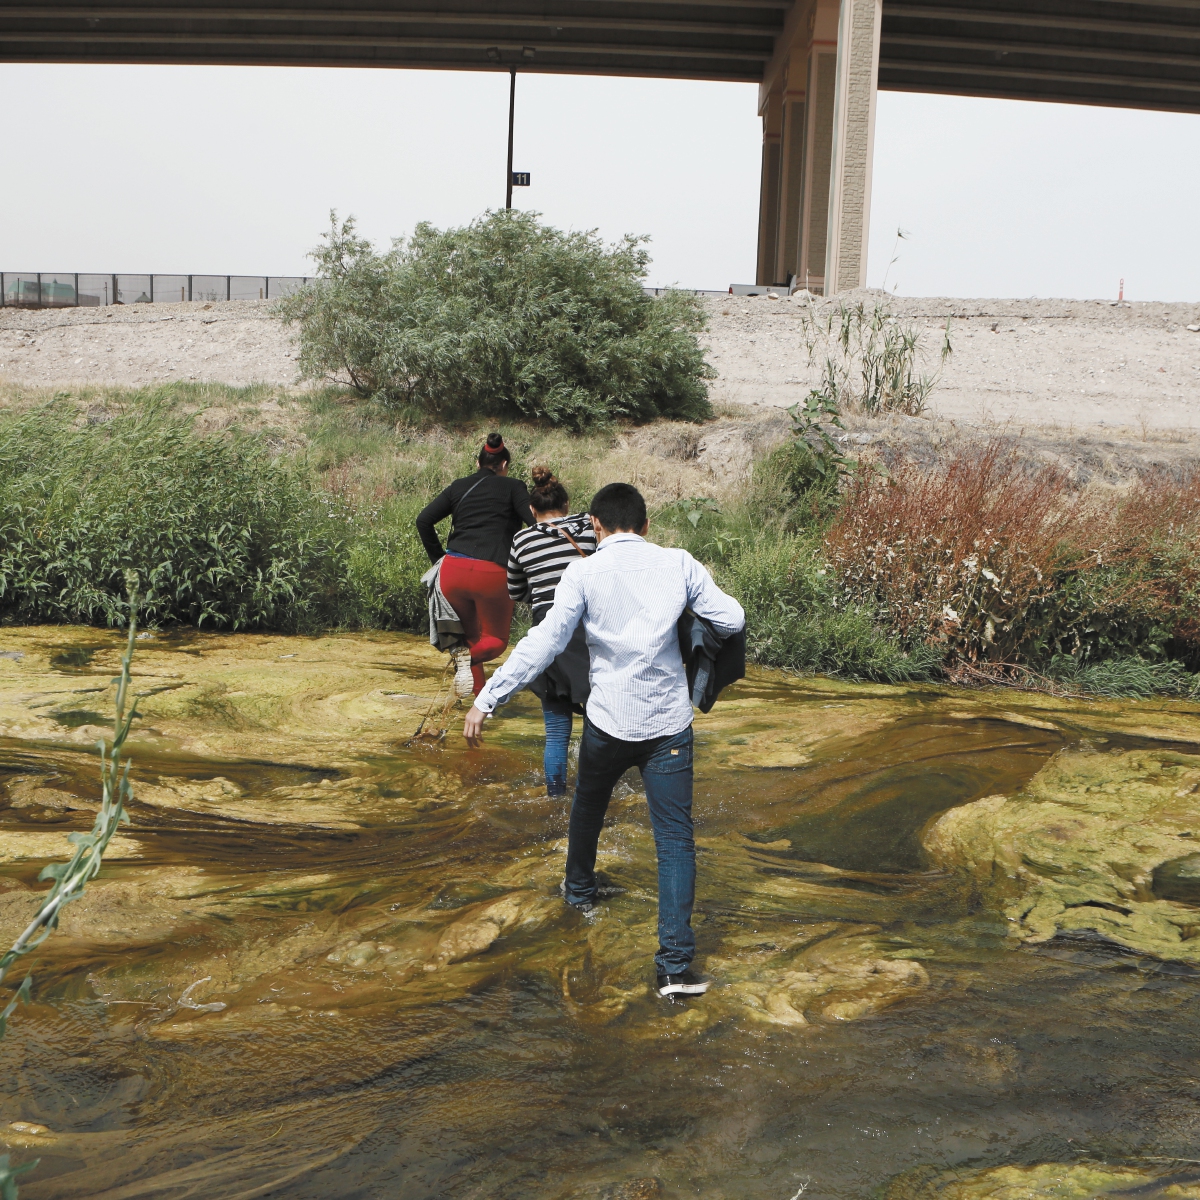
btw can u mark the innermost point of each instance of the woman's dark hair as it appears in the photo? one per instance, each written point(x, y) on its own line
point(619, 507)
point(494, 452)
point(548, 494)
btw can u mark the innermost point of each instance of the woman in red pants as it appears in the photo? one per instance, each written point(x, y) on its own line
point(488, 508)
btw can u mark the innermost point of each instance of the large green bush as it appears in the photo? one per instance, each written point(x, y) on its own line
point(219, 533)
point(505, 316)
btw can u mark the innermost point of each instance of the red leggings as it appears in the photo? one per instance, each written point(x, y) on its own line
point(478, 592)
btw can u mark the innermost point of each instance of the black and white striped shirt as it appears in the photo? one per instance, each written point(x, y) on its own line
point(541, 554)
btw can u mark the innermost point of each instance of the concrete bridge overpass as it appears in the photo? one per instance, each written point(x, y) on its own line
point(818, 63)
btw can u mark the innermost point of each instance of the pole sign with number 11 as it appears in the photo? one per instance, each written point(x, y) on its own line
point(520, 179)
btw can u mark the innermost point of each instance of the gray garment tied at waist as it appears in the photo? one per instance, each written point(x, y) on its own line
point(445, 626)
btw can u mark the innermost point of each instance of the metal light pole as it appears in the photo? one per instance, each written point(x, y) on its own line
point(512, 105)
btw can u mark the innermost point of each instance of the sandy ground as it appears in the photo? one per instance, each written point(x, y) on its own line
point(1066, 365)
point(236, 342)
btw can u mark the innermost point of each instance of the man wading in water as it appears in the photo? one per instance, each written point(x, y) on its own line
point(629, 596)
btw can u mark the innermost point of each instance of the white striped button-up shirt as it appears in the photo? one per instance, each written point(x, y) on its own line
point(629, 596)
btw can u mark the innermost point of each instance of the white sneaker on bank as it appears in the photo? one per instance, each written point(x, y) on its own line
point(464, 681)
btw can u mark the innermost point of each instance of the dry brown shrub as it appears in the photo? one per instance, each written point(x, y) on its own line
point(959, 555)
point(1001, 561)
point(1150, 545)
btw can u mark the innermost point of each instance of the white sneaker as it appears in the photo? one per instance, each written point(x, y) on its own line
point(688, 983)
point(464, 681)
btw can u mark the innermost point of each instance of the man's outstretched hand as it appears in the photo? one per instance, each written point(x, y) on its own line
point(473, 727)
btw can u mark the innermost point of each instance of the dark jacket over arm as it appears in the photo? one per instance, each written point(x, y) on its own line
point(488, 509)
point(712, 660)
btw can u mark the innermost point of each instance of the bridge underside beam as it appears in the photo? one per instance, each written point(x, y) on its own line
point(1124, 53)
point(720, 39)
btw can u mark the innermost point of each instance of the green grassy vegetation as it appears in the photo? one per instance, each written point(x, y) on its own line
point(241, 508)
point(870, 361)
point(258, 508)
point(222, 533)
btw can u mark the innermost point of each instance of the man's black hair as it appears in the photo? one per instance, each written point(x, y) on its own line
point(619, 506)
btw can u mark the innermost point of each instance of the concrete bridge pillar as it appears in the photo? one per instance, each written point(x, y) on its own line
point(818, 106)
point(768, 196)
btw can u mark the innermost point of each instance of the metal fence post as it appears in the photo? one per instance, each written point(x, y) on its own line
point(21, 289)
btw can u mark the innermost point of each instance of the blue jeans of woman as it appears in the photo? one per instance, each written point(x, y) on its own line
point(666, 767)
point(558, 719)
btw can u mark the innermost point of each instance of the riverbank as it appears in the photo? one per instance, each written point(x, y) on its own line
point(913, 552)
point(1071, 368)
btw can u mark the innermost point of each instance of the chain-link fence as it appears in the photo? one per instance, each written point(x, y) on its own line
point(59, 289)
point(62, 289)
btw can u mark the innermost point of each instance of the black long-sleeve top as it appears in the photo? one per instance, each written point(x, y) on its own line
point(488, 509)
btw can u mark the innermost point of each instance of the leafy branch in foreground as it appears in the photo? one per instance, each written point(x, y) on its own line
point(71, 877)
point(809, 420)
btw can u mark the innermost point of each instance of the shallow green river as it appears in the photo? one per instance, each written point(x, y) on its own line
point(327, 964)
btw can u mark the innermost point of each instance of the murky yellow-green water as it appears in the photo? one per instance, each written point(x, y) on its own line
point(323, 963)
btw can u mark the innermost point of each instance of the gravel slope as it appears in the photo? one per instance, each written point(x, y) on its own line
point(1065, 364)
point(236, 342)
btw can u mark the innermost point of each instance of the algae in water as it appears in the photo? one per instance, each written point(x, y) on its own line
point(1098, 843)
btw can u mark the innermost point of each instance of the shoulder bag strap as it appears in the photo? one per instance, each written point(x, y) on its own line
point(558, 530)
point(572, 541)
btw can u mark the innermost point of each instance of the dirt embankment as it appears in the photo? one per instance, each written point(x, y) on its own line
point(1102, 389)
point(235, 342)
point(1073, 364)
point(1068, 363)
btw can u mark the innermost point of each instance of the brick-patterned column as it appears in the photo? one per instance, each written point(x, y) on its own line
point(822, 77)
point(853, 144)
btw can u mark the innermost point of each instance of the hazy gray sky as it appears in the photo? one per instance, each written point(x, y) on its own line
point(1005, 198)
point(233, 169)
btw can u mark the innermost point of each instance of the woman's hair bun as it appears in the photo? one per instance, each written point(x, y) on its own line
point(494, 453)
point(548, 493)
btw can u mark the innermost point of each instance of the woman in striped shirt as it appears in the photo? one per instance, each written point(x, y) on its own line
point(536, 561)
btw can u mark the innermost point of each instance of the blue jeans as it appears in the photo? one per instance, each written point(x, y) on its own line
point(558, 718)
point(666, 767)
